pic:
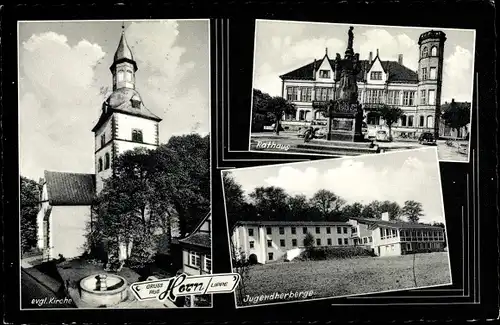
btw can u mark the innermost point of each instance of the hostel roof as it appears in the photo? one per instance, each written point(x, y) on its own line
point(394, 224)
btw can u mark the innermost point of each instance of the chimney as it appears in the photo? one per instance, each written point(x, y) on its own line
point(400, 59)
point(370, 57)
point(385, 216)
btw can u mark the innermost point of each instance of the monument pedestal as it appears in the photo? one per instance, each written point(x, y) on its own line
point(346, 127)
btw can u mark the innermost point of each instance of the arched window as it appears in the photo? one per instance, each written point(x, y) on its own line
point(106, 160)
point(403, 120)
point(425, 52)
point(430, 121)
point(99, 167)
point(128, 75)
point(119, 76)
point(410, 120)
point(434, 51)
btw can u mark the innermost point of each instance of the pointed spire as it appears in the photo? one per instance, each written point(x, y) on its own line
point(123, 51)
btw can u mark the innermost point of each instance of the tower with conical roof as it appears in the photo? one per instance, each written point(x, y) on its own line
point(124, 123)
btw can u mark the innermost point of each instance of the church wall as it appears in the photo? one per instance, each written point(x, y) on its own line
point(40, 216)
point(126, 123)
point(105, 173)
point(106, 130)
point(68, 229)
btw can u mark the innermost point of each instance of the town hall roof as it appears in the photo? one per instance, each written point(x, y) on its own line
point(69, 188)
point(397, 72)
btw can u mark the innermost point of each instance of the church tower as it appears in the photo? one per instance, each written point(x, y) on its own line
point(125, 123)
point(430, 77)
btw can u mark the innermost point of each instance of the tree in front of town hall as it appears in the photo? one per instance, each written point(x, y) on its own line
point(390, 114)
point(412, 210)
point(274, 107)
point(30, 205)
point(456, 115)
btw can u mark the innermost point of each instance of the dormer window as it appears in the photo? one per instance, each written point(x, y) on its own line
point(136, 102)
point(376, 75)
point(137, 135)
point(324, 74)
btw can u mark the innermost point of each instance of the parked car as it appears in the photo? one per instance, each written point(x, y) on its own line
point(463, 148)
point(321, 133)
point(427, 138)
point(381, 135)
point(273, 126)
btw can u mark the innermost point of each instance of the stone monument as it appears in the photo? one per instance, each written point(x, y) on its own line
point(344, 113)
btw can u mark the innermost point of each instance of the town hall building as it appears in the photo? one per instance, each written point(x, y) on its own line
point(125, 123)
point(417, 93)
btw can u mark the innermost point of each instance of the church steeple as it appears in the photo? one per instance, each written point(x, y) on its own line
point(124, 65)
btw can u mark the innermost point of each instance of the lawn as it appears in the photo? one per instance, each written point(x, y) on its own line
point(341, 277)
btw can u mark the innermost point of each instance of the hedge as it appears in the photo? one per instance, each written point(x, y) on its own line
point(325, 253)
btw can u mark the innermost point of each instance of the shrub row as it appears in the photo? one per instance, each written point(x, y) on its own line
point(423, 250)
point(325, 253)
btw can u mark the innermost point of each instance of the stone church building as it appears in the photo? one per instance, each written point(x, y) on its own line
point(124, 124)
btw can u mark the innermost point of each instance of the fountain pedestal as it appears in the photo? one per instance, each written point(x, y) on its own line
point(103, 290)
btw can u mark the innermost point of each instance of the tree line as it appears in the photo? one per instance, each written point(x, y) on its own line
point(275, 204)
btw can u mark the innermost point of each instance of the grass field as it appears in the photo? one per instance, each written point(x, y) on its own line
point(341, 277)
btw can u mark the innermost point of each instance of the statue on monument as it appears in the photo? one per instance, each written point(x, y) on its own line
point(351, 37)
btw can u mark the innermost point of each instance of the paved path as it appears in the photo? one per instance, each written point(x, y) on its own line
point(35, 294)
point(287, 142)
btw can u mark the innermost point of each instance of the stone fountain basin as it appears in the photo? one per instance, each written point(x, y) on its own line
point(115, 293)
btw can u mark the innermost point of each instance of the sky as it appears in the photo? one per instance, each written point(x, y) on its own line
point(64, 77)
point(398, 176)
point(281, 47)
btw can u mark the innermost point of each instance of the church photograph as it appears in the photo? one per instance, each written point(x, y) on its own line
point(344, 90)
point(115, 180)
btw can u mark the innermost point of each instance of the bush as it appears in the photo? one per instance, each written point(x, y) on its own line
point(326, 253)
point(424, 250)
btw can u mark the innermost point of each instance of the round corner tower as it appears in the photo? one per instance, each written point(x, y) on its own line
point(430, 76)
